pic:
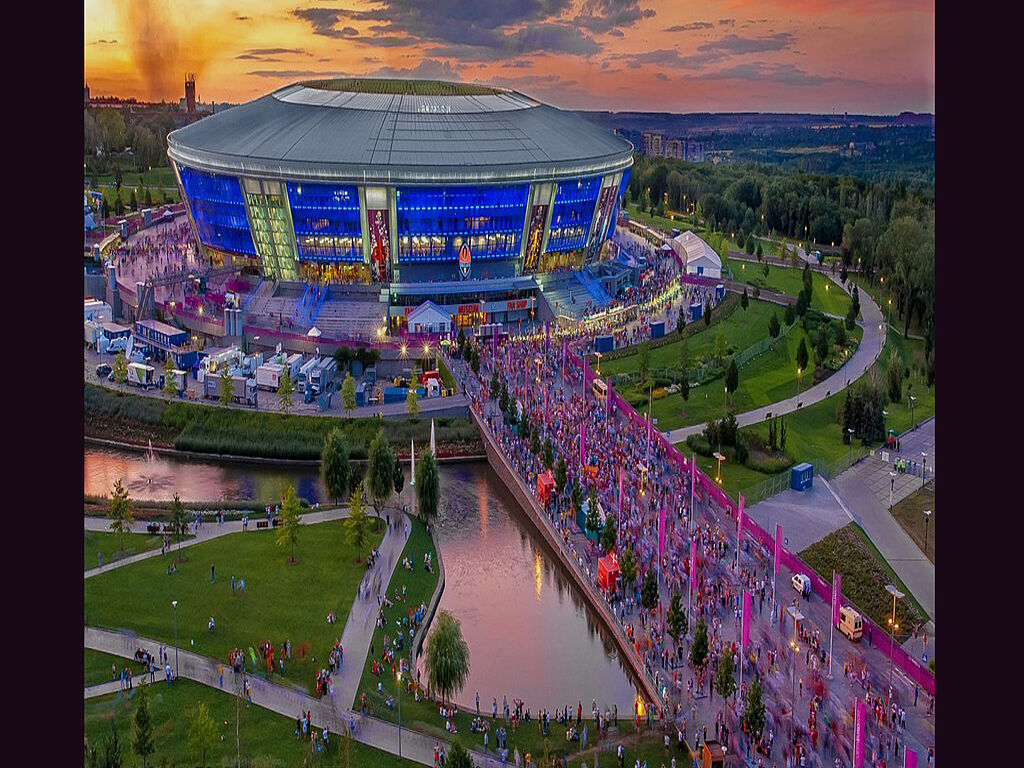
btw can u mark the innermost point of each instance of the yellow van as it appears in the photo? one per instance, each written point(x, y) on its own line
point(850, 623)
point(600, 389)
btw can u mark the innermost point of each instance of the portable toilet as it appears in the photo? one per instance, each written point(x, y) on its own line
point(696, 311)
point(657, 329)
point(719, 292)
point(801, 477)
point(604, 344)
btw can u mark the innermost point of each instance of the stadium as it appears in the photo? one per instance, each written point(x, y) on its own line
point(401, 192)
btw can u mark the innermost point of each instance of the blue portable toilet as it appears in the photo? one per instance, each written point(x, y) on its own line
point(801, 477)
point(657, 329)
point(696, 311)
point(604, 344)
point(719, 292)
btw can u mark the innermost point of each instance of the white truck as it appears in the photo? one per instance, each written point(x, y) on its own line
point(92, 333)
point(216, 358)
point(292, 364)
point(268, 376)
point(304, 373)
point(140, 375)
point(243, 390)
point(322, 376)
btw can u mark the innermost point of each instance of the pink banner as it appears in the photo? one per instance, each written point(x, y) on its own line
point(661, 533)
point(545, 406)
point(693, 562)
point(583, 444)
point(739, 526)
point(910, 759)
point(859, 722)
point(622, 476)
point(745, 634)
point(778, 545)
point(837, 580)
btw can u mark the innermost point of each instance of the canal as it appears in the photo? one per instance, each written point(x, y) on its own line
point(530, 634)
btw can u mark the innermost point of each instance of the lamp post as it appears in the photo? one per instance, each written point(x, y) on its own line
point(799, 372)
point(892, 485)
point(912, 401)
point(927, 516)
point(893, 626)
point(849, 431)
point(174, 604)
point(718, 476)
point(924, 466)
point(398, 687)
point(794, 612)
point(888, 318)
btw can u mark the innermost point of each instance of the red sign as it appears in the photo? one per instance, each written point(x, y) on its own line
point(535, 236)
point(517, 304)
point(380, 245)
point(465, 257)
point(468, 309)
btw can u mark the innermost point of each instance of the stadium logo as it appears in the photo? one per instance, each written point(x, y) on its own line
point(465, 259)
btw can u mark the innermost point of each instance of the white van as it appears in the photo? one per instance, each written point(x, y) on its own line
point(802, 584)
point(850, 623)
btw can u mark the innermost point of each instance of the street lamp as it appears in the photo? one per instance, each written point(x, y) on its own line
point(893, 626)
point(888, 318)
point(849, 431)
point(799, 372)
point(718, 477)
point(892, 485)
point(927, 516)
point(912, 401)
point(403, 351)
point(398, 686)
point(924, 466)
point(174, 604)
point(794, 612)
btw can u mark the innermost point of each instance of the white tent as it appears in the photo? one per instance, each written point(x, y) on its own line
point(314, 332)
point(700, 257)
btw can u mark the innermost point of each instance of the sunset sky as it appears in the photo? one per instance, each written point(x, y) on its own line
point(867, 56)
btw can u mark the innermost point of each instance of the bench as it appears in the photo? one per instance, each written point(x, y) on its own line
point(153, 527)
point(262, 524)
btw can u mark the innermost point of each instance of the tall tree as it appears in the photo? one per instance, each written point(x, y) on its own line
point(548, 454)
point(170, 383)
point(802, 358)
point(560, 474)
point(120, 511)
point(821, 348)
point(428, 486)
point(732, 377)
point(348, 393)
point(753, 712)
point(725, 683)
point(111, 755)
point(285, 389)
point(179, 523)
point(608, 535)
point(534, 440)
point(142, 726)
point(773, 326)
point(495, 387)
point(649, 590)
point(707, 312)
point(592, 522)
point(412, 403)
point(675, 618)
point(227, 391)
point(699, 647)
point(627, 567)
point(380, 482)
point(643, 360)
point(202, 733)
point(744, 299)
point(398, 476)
point(458, 757)
point(334, 464)
point(894, 376)
point(291, 521)
point(721, 345)
point(120, 369)
point(447, 657)
point(357, 524)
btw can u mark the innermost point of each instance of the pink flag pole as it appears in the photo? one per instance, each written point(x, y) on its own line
point(693, 488)
point(583, 444)
point(859, 718)
point(739, 530)
point(775, 567)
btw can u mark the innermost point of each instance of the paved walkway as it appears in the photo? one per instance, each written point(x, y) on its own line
point(806, 516)
point(285, 700)
point(877, 473)
point(113, 686)
point(207, 531)
point(870, 348)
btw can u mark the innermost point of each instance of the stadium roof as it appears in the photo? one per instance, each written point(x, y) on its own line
point(391, 131)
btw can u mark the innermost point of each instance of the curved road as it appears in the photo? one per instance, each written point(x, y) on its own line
point(871, 344)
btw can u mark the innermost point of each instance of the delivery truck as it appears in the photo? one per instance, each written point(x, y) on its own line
point(304, 374)
point(243, 390)
point(140, 375)
point(322, 376)
point(268, 376)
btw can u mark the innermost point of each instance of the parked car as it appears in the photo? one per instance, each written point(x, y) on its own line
point(802, 584)
point(103, 370)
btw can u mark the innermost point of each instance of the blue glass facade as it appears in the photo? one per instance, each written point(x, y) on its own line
point(326, 219)
point(434, 222)
point(218, 209)
point(618, 200)
point(573, 214)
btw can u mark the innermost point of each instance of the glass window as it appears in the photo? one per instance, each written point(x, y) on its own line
point(326, 219)
point(218, 210)
point(573, 214)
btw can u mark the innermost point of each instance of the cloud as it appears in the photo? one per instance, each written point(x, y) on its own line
point(271, 54)
point(616, 33)
point(736, 45)
point(103, 42)
point(427, 69)
point(727, 22)
point(661, 76)
point(690, 27)
point(604, 15)
point(239, 17)
point(295, 74)
point(781, 74)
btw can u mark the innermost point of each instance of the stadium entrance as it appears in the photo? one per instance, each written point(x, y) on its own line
point(322, 274)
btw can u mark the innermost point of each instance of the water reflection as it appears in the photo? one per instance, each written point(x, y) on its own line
point(530, 635)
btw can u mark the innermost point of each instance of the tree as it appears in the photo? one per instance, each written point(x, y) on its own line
point(149, 198)
point(548, 456)
point(681, 323)
point(773, 326)
point(291, 520)
point(822, 347)
point(699, 647)
point(142, 726)
point(227, 391)
point(732, 377)
point(398, 476)
point(649, 590)
point(120, 369)
point(684, 386)
point(412, 403)
point(179, 523)
point(753, 712)
point(750, 244)
point(576, 496)
point(608, 535)
point(112, 748)
point(348, 393)
point(535, 440)
point(643, 360)
point(334, 464)
point(560, 473)
point(118, 204)
point(744, 299)
point(428, 486)
point(725, 683)
point(707, 313)
point(801, 355)
point(894, 376)
point(790, 314)
point(170, 383)
point(675, 618)
point(202, 733)
point(460, 341)
point(760, 253)
point(627, 567)
point(379, 481)
point(474, 360)
point(721, 345)
point(120, 511)
point(765, 269)
point(357, 524)
point(447, 657)
point(284, 392)
point(133, 201)
point(495, 388)
point(503, 398)
point(458, 757)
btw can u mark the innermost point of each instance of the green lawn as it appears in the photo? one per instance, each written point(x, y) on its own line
point(109, 545)
point(282, 601)
point(742, 329)
point(826, 296)
point(909, 513)
point(97, 667)
point(264, 738)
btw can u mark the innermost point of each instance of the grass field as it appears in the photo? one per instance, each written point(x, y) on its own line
point(865, 574)
point(281, 601)
point(264, 738)
point(97, 667)
point(909, 513)
point(109, 545)
point(826, 296)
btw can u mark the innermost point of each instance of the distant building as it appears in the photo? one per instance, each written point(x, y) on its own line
point(190, 93)
point(700, 257)
point(676, 149)
point(657, 145)
point(87, 95)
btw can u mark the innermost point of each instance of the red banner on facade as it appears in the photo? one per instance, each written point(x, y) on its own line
point(380, 245)
point(535, 237)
